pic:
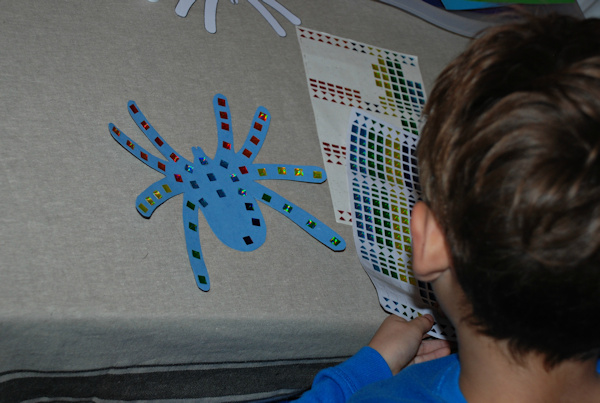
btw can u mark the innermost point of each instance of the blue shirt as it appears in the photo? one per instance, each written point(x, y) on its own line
point(431, 381)
point(366, 377)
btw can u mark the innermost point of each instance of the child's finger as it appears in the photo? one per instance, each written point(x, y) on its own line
point(424, 323)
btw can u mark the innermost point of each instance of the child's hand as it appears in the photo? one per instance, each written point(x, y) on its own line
point(401, 343)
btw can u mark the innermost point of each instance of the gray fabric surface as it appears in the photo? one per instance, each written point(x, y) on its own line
point(85, 281)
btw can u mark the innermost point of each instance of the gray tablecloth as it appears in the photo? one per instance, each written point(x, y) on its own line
point(90, 291)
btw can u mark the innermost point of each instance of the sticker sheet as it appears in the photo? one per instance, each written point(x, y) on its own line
point(343, 74)
point(384, 186)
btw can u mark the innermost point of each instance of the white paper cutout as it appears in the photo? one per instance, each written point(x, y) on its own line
point(210, 13)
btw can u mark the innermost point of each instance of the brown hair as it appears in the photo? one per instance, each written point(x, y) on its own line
point(510, 166)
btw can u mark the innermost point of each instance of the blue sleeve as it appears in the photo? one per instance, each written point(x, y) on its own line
point(339, 383)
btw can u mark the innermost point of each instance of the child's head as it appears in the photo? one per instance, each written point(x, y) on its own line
point(509, 160)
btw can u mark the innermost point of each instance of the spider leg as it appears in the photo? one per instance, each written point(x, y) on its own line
point(210, 15)
point(256, 135)
point(156, 194)
point(224, 129)
point(161, 145)
point(283, 11)
point(303, 219)
point(298, 173)
point(136, 150)
point(183, 7)
point(192, 241)
point(268, 16)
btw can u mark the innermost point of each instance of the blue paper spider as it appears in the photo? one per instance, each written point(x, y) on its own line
point(223, 188)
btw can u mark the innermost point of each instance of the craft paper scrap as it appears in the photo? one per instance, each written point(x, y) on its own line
point(342, 74)
point(224, 188)
point(384, 186)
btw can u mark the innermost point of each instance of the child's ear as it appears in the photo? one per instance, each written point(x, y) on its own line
point(430, 251)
